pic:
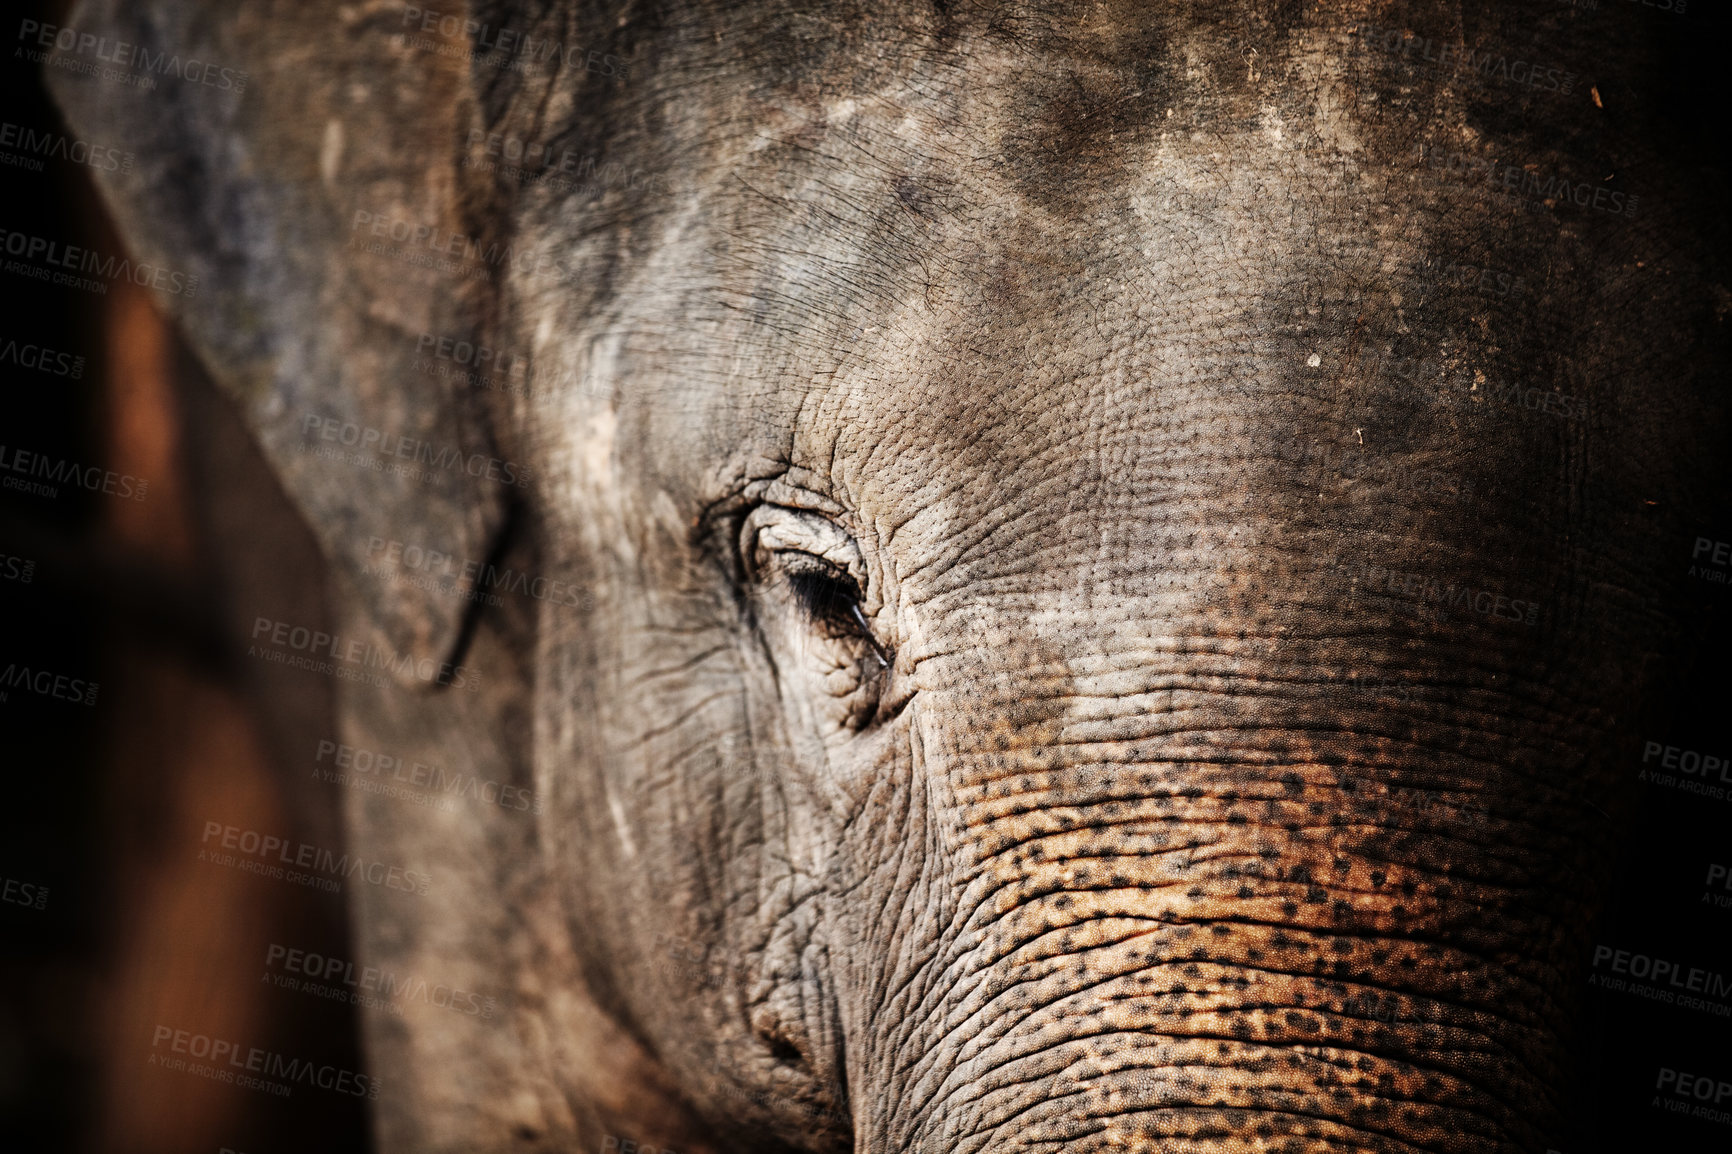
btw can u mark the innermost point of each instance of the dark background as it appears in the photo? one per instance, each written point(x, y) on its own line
point(104, 805)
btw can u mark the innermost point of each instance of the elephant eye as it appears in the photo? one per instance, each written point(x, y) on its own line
point(830, 600)
point(819, 567)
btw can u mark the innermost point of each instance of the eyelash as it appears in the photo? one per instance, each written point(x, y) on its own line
point(830, 600)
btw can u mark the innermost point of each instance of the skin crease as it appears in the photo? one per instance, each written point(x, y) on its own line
point(1124, 855)
point(1102, 636)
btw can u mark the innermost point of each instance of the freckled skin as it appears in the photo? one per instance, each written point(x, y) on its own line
point(1054, 681)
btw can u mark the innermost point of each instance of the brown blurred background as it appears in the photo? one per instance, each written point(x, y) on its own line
point(106, 804)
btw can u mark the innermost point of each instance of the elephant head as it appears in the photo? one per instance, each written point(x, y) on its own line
point(1098, 632)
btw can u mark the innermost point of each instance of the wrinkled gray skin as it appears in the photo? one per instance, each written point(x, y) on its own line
point(1080, 342)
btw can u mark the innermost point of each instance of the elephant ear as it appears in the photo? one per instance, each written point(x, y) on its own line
point(300, 159)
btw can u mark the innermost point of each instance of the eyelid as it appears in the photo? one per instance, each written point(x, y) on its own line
point(778, 529)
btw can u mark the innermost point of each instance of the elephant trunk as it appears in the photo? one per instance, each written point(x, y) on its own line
point(1300, 909)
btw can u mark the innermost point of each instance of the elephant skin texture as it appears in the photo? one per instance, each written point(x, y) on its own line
point(1093, 565)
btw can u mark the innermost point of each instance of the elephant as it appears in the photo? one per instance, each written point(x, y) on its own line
point(1075, 576)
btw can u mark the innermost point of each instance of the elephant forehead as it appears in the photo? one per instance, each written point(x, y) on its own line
point(1087, 303)
point(1112, 359)
point(962, 332)
point(1093, 397)
point(1048, 186)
